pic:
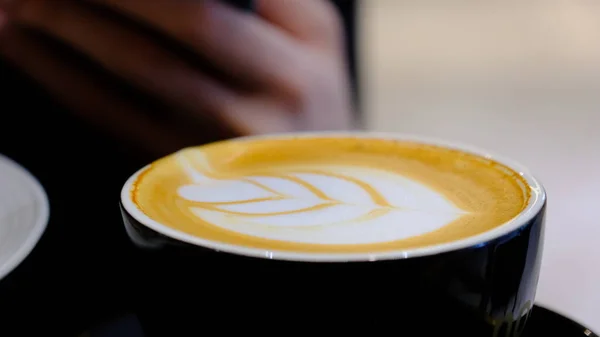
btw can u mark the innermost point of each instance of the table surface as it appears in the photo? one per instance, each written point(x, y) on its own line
point(522, 81)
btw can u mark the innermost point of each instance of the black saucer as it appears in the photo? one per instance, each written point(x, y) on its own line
point(546, 323)
point(542, 323)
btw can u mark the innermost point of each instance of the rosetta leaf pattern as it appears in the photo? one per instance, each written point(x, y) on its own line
point(314, 205)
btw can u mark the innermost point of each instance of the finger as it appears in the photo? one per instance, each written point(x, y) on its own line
point(3, 12)
point(314, 21)
point(262, 115)
point(234, 41)
point(3, 18)
point(86, 96)
point(129, 54)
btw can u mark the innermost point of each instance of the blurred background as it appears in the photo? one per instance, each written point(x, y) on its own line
point(520, 78)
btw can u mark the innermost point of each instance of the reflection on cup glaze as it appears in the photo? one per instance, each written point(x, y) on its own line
point(510, 326)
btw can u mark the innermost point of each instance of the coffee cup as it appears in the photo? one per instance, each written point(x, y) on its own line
point(354, 232)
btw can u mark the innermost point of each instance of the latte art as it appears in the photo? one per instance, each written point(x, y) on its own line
point(318, 204)
point(331, 195)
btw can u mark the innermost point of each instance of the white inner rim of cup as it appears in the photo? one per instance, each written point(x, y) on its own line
point(536, 202)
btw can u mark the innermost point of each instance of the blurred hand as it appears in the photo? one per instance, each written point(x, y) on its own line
point(209, 70)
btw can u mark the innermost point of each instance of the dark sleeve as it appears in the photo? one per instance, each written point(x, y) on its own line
point(348, 10)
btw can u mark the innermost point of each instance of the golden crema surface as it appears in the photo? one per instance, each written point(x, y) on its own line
point(329, 194)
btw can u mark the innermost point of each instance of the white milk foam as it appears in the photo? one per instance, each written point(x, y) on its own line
point(282, 207)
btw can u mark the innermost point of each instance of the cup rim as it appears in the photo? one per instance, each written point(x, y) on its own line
point(534, 207)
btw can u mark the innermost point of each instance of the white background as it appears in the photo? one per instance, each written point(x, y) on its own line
point(521, 78)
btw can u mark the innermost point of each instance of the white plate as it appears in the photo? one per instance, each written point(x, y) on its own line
point(24, 213)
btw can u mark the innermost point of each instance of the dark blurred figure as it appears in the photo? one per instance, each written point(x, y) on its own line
point(92, 90)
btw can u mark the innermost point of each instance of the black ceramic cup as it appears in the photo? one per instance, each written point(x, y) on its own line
point(481, 286)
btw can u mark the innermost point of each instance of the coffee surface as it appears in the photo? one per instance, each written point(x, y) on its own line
point(323, 194)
